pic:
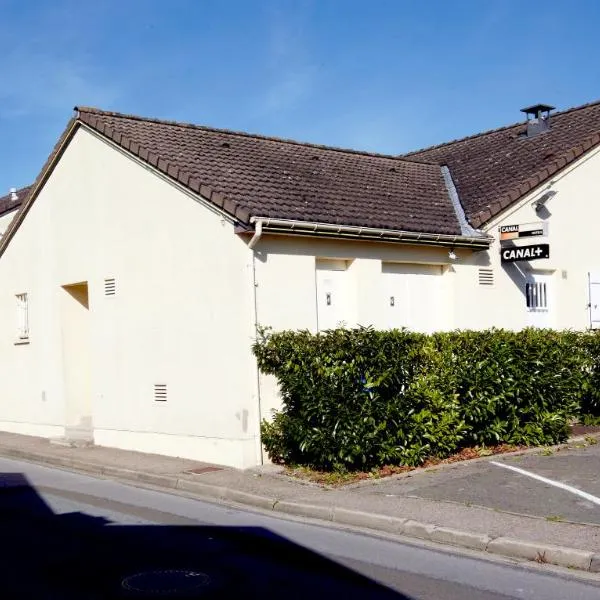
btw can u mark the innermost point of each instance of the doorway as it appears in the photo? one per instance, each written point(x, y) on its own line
point(75, 315)
point(412, 297)
point(333, 294)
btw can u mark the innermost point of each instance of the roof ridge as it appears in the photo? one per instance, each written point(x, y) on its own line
point(495, 130)
point(97, 111)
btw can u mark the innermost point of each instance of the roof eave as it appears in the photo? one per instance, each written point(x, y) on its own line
point(479, 242)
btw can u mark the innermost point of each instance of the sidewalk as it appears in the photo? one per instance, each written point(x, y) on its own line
point(573, 545)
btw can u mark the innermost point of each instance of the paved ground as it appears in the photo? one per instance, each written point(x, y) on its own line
point(486, 484)
point(74, 536)
point(474, 505)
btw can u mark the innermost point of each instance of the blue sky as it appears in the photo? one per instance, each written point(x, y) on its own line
point(381, 75)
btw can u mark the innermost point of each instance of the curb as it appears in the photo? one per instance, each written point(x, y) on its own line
point(571, 558)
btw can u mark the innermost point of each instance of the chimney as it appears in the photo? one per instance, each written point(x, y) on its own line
point(538, 119)
point(13, 194)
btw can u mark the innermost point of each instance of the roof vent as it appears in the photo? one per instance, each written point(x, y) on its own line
point(538, 119)
point(13, 194)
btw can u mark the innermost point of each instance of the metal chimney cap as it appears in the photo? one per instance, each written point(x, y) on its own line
point(537, 109)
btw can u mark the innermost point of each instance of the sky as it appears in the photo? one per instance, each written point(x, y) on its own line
point(379, 75)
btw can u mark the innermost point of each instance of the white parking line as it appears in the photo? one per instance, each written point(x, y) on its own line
point(558, 484)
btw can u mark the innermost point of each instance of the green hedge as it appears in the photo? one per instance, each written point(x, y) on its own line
point(360, 398)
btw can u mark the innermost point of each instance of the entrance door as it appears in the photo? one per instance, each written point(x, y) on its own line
point(594, 281)
point(333, 297)
point(76, 359)
point(538, 300)
point(412, 297)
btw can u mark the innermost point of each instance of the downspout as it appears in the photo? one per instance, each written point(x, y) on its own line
point(251, 245)
point(257, 235)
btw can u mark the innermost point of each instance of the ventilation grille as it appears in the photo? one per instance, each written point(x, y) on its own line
point(110, 287)
point(486, 277)
point(160, 392)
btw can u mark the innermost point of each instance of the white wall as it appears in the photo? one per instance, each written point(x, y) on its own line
point(181, 315)
point(5, 220)
point(572, 215)
point(286, 286)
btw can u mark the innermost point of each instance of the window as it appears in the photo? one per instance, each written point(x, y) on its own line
point(22, 317)
point(536, 296)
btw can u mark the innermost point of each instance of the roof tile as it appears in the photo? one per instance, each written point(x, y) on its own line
point(258, 176)
point(503, 163)
point(7, 204)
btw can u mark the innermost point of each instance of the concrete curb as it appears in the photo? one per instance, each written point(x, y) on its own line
point(512, 548)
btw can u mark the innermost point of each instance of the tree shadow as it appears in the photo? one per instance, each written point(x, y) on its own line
point(49, 556)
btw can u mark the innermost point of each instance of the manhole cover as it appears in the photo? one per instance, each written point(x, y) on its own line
point(169, 582)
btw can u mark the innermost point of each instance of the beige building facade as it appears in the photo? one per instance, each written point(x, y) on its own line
point(130, 296)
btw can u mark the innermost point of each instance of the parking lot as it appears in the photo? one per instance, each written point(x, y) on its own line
point(559, 485)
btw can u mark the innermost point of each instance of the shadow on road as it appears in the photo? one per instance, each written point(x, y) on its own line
point(79, 556)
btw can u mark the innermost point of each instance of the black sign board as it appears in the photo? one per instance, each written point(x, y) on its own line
point(510, 254)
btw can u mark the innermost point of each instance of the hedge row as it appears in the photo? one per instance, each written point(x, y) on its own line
point(360, 398)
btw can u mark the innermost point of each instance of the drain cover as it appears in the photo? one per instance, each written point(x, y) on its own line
point(201, 470)
point(169, 582)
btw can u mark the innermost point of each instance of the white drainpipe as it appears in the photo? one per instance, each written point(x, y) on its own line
point(258, 229)
point(257, 234)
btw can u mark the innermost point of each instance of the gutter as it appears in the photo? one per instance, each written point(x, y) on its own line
point(474, 240)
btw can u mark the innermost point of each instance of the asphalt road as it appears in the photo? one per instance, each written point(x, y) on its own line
point(71, 536)
point(486, 484)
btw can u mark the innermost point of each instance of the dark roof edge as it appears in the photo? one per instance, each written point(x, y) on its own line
point(407, 155)
point(171, 171)
point(542, 176)
point(47, 169)
point(97, 111)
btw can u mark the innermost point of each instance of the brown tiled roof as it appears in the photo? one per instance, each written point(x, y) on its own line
point(492, 170)
point(7, 204)
point(257, 176)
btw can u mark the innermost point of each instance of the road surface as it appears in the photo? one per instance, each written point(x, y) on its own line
point(67, 535)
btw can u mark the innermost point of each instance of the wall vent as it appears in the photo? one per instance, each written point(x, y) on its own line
point(160, 392)
point(486, 277)
point(110, 287)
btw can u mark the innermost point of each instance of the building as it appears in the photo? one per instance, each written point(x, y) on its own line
point(141, 259)
point(9, 206)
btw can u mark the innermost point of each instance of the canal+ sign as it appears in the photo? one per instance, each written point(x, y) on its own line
point(515, 253)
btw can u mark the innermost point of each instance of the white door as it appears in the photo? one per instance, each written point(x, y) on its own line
point(396, 308)
point(594, 281)
point(412, 296)
point(333, 300)
point(538, 300)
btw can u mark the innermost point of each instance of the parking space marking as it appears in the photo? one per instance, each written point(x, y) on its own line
point(558, 484)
